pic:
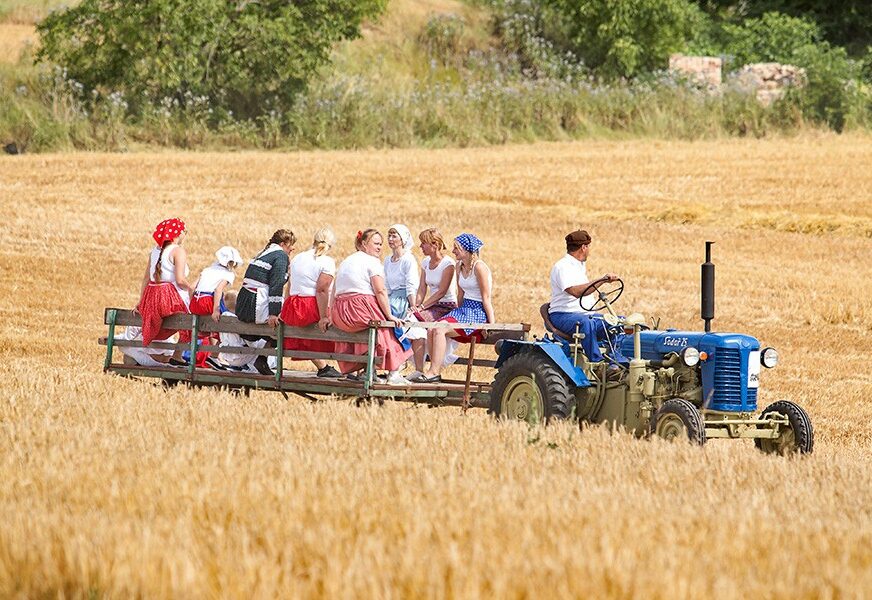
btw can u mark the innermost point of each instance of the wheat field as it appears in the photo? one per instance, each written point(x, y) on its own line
point(117, 488)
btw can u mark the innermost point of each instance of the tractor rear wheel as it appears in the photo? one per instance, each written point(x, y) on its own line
point(678, 419)
point(796, 436)
point(529, 387)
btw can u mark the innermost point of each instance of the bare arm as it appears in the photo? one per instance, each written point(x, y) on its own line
point(381, 296)
point(422, 289)
point(444, 284)
point(576, 290)
point(482, 273)
point(459, 289)
point(216, 300)
point(323, 292)
point(180, 260)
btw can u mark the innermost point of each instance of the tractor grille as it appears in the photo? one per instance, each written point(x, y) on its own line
point(729, 383)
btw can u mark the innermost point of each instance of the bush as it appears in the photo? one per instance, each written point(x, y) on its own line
point(623, 38)
point(774, 37)
point(243, 57)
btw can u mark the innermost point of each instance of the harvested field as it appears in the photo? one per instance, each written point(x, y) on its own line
point(119, 488)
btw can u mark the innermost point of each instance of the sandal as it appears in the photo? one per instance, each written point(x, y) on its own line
point(434, 379)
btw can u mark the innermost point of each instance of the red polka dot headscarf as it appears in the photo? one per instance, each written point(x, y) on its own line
point(168, 230)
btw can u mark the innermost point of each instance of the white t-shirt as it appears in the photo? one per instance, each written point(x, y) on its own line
point(212, 275)
point(306, 268)
point(433, 278)
point(402, 274)
point(354, 273)
point(567, 272)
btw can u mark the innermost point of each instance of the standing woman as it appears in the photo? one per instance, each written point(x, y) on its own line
point(165, 288)
point(476, 283)
point(401, 280)
point(360, 296)
point(312, 274)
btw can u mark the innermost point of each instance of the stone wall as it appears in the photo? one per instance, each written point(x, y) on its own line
point(705, 70)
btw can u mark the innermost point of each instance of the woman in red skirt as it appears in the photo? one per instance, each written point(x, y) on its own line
point(312, 274)
point(361, 297)
point(165, 289)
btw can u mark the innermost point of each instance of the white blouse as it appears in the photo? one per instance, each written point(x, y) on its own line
point(402, 274)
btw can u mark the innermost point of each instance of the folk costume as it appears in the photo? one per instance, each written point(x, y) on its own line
point(163, 298)
point(401, 281)
point(356, 305)
point(471, 310)
point(261, 293)
point(433, 279)
point(301, 306)
point(204, 300)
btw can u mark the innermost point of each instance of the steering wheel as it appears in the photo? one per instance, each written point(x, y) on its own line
point(607, 294)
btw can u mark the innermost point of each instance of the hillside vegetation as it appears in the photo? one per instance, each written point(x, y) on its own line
point(434, 73)
point(116, 488)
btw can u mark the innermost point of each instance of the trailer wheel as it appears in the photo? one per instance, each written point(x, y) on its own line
point(678, 419)
point(796, 436)
point(529, 387)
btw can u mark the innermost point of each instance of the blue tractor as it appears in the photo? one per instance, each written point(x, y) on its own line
point(669, 383)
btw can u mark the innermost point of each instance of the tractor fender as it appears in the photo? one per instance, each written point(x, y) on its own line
point(553, 350)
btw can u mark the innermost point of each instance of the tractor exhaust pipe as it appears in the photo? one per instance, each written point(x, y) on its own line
point(707, 306)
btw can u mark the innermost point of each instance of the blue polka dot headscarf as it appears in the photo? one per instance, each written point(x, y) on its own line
point(469, 242)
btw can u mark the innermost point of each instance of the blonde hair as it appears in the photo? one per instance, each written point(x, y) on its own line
point(323, 239)
point(230, 300)
point(432, 236)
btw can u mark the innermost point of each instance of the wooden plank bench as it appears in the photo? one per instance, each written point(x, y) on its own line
point(449, 392)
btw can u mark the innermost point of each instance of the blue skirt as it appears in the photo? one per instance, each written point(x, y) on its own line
point(471, 311)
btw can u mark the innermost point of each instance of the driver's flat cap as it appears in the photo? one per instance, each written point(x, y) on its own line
point(579, 238)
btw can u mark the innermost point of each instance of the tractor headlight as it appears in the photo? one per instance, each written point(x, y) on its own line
point(690, 356)
point(769, 357)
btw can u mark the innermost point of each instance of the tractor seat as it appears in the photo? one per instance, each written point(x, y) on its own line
point(543, 310)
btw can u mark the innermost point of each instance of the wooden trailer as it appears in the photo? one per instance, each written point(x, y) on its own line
point(463, 391)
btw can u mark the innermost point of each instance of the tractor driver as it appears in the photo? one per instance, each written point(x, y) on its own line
point(568, 281)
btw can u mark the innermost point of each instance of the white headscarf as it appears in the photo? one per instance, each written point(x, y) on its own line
point(227, 253)
point(405, 235)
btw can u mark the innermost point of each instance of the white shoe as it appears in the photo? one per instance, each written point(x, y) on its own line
point(398, 379)
point(414, 376)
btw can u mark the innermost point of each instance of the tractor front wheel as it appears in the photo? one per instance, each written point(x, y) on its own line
point(529, 387)
point(678, 419)
point(797, 435)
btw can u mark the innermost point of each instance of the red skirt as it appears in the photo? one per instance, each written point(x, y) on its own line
point(462, 336)
point(202, 305)
point(160, 300)
point(302, 311)
point(352, 313)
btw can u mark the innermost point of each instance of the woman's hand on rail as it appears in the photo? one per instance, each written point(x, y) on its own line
point(323, 324)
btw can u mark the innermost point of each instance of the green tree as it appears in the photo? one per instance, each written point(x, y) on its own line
point(845, 23)
point(626, 37)
point(245, 56)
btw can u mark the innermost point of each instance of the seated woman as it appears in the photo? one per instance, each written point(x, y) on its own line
point(401, 280)
point(475, 284)
point(436, 292)
point(360, 296)
point(165, 288)
point(312, 274)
